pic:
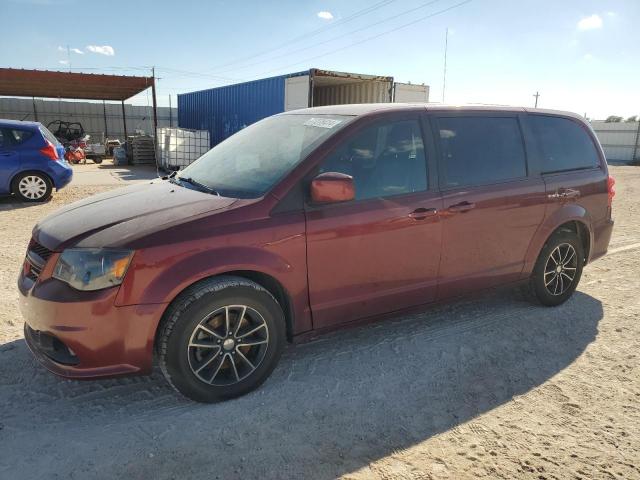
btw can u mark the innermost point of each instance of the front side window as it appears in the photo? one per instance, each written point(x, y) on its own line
point(565, 144)
point(384, 160)
point(480, 150)
point(252, 161)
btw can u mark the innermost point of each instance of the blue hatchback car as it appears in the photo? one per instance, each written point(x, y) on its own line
point(32, 161)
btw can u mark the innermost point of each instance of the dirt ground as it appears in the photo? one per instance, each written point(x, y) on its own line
point(488, 387)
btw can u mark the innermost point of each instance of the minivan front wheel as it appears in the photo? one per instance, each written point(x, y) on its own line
point(558, 269)
point(32, 187)
point(221, 338)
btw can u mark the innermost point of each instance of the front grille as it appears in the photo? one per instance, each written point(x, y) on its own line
point(42, 252)
point(36, 259)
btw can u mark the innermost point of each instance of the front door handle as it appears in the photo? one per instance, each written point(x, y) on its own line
point(422, 213)
point(6, 154)
point(462, 207)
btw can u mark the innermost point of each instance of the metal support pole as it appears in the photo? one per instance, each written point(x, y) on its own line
point(35, 111)
point(124, 122)
point(155, 105)
point(106, 127)
point(635, 158)
point(170, 113)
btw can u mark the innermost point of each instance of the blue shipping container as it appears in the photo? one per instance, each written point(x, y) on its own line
point(225, 110)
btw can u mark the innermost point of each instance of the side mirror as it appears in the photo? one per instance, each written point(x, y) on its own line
point(332, 187)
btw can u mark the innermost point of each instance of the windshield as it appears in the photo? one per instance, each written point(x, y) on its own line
point(249, 163)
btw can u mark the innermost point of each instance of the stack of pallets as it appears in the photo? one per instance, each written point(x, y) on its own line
point(141, 150)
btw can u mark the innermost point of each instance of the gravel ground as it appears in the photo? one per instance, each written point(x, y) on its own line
point(487, 387)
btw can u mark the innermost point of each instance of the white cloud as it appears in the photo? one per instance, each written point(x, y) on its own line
point(325, 15)
point(589, 23)
point(102, 50)
point(588, 56)
point(74, 50)
point(611, 14)
point(63, 62)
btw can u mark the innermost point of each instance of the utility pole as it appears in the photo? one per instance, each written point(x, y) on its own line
point(444, 75)
point(536, 95)
point(69, 58)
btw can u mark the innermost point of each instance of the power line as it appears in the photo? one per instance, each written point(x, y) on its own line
point(366, 27)
point(372, 37)
point(312, 33)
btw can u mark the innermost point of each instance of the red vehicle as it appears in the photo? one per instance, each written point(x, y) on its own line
point(307, 221)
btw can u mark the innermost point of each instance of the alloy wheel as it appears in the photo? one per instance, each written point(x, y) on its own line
point(32, 187)
point(560, 269)
point(228, 345)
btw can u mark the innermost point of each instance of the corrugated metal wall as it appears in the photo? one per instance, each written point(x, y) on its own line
point(361, 92)
point(89, 114)
point(225, 110)
point(618, 139)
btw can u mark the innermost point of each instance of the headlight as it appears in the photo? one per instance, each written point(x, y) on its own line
point(92, 268)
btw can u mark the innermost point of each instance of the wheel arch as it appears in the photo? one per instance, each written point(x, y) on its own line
point(266, 281)
point(573, 218)
point(23, 172)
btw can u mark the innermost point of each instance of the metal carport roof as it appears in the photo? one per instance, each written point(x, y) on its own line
point(86, 86)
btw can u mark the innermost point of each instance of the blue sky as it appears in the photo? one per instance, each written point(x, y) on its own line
point(581, 55)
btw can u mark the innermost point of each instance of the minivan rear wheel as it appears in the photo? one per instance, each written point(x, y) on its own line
point(32, 187)
point(558, 269)
point(221, 338)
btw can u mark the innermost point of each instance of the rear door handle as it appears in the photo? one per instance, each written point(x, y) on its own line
point(422, 213)
point(6, 154)
point(564, 193)
point(462, 207)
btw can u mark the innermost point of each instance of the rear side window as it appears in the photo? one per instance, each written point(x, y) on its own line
point(19, 136)
point(480, 150)
point(48, 135)
point(564, 144)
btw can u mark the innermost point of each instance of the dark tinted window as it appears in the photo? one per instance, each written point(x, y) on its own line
point(385, 159)
point(480, 150)
point(19, 136)
point(3, 138)
point(565, 144)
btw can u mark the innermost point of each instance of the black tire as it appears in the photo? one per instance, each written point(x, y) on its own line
point(97, 160)
point(32, 187)
point(549, 283)
point(188, 368)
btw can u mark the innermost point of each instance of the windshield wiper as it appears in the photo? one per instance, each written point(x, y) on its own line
point(196, 184)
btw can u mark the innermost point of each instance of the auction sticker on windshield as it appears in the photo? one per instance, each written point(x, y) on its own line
point(322, 122)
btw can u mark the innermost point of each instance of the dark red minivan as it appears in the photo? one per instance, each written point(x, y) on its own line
point(306, 221)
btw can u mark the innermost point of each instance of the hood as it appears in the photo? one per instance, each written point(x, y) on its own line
point(119, 216)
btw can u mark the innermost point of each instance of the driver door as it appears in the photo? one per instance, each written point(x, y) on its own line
point(380, 252)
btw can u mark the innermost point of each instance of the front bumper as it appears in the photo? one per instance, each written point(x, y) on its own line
point(102, 340)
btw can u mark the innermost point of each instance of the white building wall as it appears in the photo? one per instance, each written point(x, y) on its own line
point(619, 140)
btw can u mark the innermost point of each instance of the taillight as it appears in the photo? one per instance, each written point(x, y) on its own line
point(611, 191)
point(50, 151)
